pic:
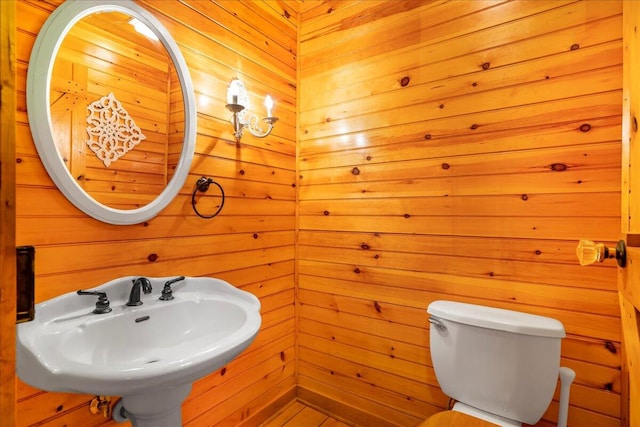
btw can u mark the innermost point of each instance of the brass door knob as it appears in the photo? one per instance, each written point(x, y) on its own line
point(589, 252)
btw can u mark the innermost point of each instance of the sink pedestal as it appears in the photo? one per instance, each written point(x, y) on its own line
point(161, 407)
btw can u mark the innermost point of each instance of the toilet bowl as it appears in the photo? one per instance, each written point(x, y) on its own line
point(500, 366)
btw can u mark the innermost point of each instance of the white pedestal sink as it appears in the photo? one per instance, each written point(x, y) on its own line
point(148, 354)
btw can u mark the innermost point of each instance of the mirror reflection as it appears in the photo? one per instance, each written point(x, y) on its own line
point(117, 110)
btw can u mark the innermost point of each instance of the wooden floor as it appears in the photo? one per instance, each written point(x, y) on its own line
point(297, 414)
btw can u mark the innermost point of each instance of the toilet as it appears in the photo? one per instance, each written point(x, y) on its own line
point(500, 366)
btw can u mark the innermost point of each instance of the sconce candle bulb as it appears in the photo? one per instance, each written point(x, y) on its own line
point(268, 102)
point(238, 103)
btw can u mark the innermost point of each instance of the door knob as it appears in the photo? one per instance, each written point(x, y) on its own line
point(589, 252)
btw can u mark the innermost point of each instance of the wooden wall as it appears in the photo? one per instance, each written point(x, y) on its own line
point(629, 277)
point(7, 212)
point(250, 244)
point(454, 150)
point(446, 150)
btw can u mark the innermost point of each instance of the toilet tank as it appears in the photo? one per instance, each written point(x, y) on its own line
point(500, 361)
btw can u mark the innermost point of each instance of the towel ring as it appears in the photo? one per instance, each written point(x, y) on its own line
point(202, 185)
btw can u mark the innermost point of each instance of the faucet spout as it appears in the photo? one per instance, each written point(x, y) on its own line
point(139, 283)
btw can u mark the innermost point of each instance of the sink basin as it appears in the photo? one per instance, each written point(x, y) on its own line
point(150, 353)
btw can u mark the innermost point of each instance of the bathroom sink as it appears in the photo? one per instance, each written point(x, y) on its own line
point(134, 350)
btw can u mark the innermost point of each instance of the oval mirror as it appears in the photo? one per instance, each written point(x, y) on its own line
point(111, 109)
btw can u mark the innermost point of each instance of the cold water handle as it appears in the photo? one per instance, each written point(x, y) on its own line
point(167, 292)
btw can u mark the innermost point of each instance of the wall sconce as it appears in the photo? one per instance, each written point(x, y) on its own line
point(238, 103)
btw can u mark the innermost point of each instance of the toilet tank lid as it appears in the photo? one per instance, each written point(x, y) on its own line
point(497, 319)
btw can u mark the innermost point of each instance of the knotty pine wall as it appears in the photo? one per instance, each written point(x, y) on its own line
point(446, 150)
point(250, 244)
point(454, 150)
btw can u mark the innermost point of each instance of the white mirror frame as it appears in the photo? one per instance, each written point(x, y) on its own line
point(38, 100)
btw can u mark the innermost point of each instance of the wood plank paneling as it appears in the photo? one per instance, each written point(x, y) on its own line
point(250, 244)
point(629, 279)
point(8, 136)
point(454, 150)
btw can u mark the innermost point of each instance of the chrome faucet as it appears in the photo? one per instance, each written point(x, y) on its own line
point(134, 296)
